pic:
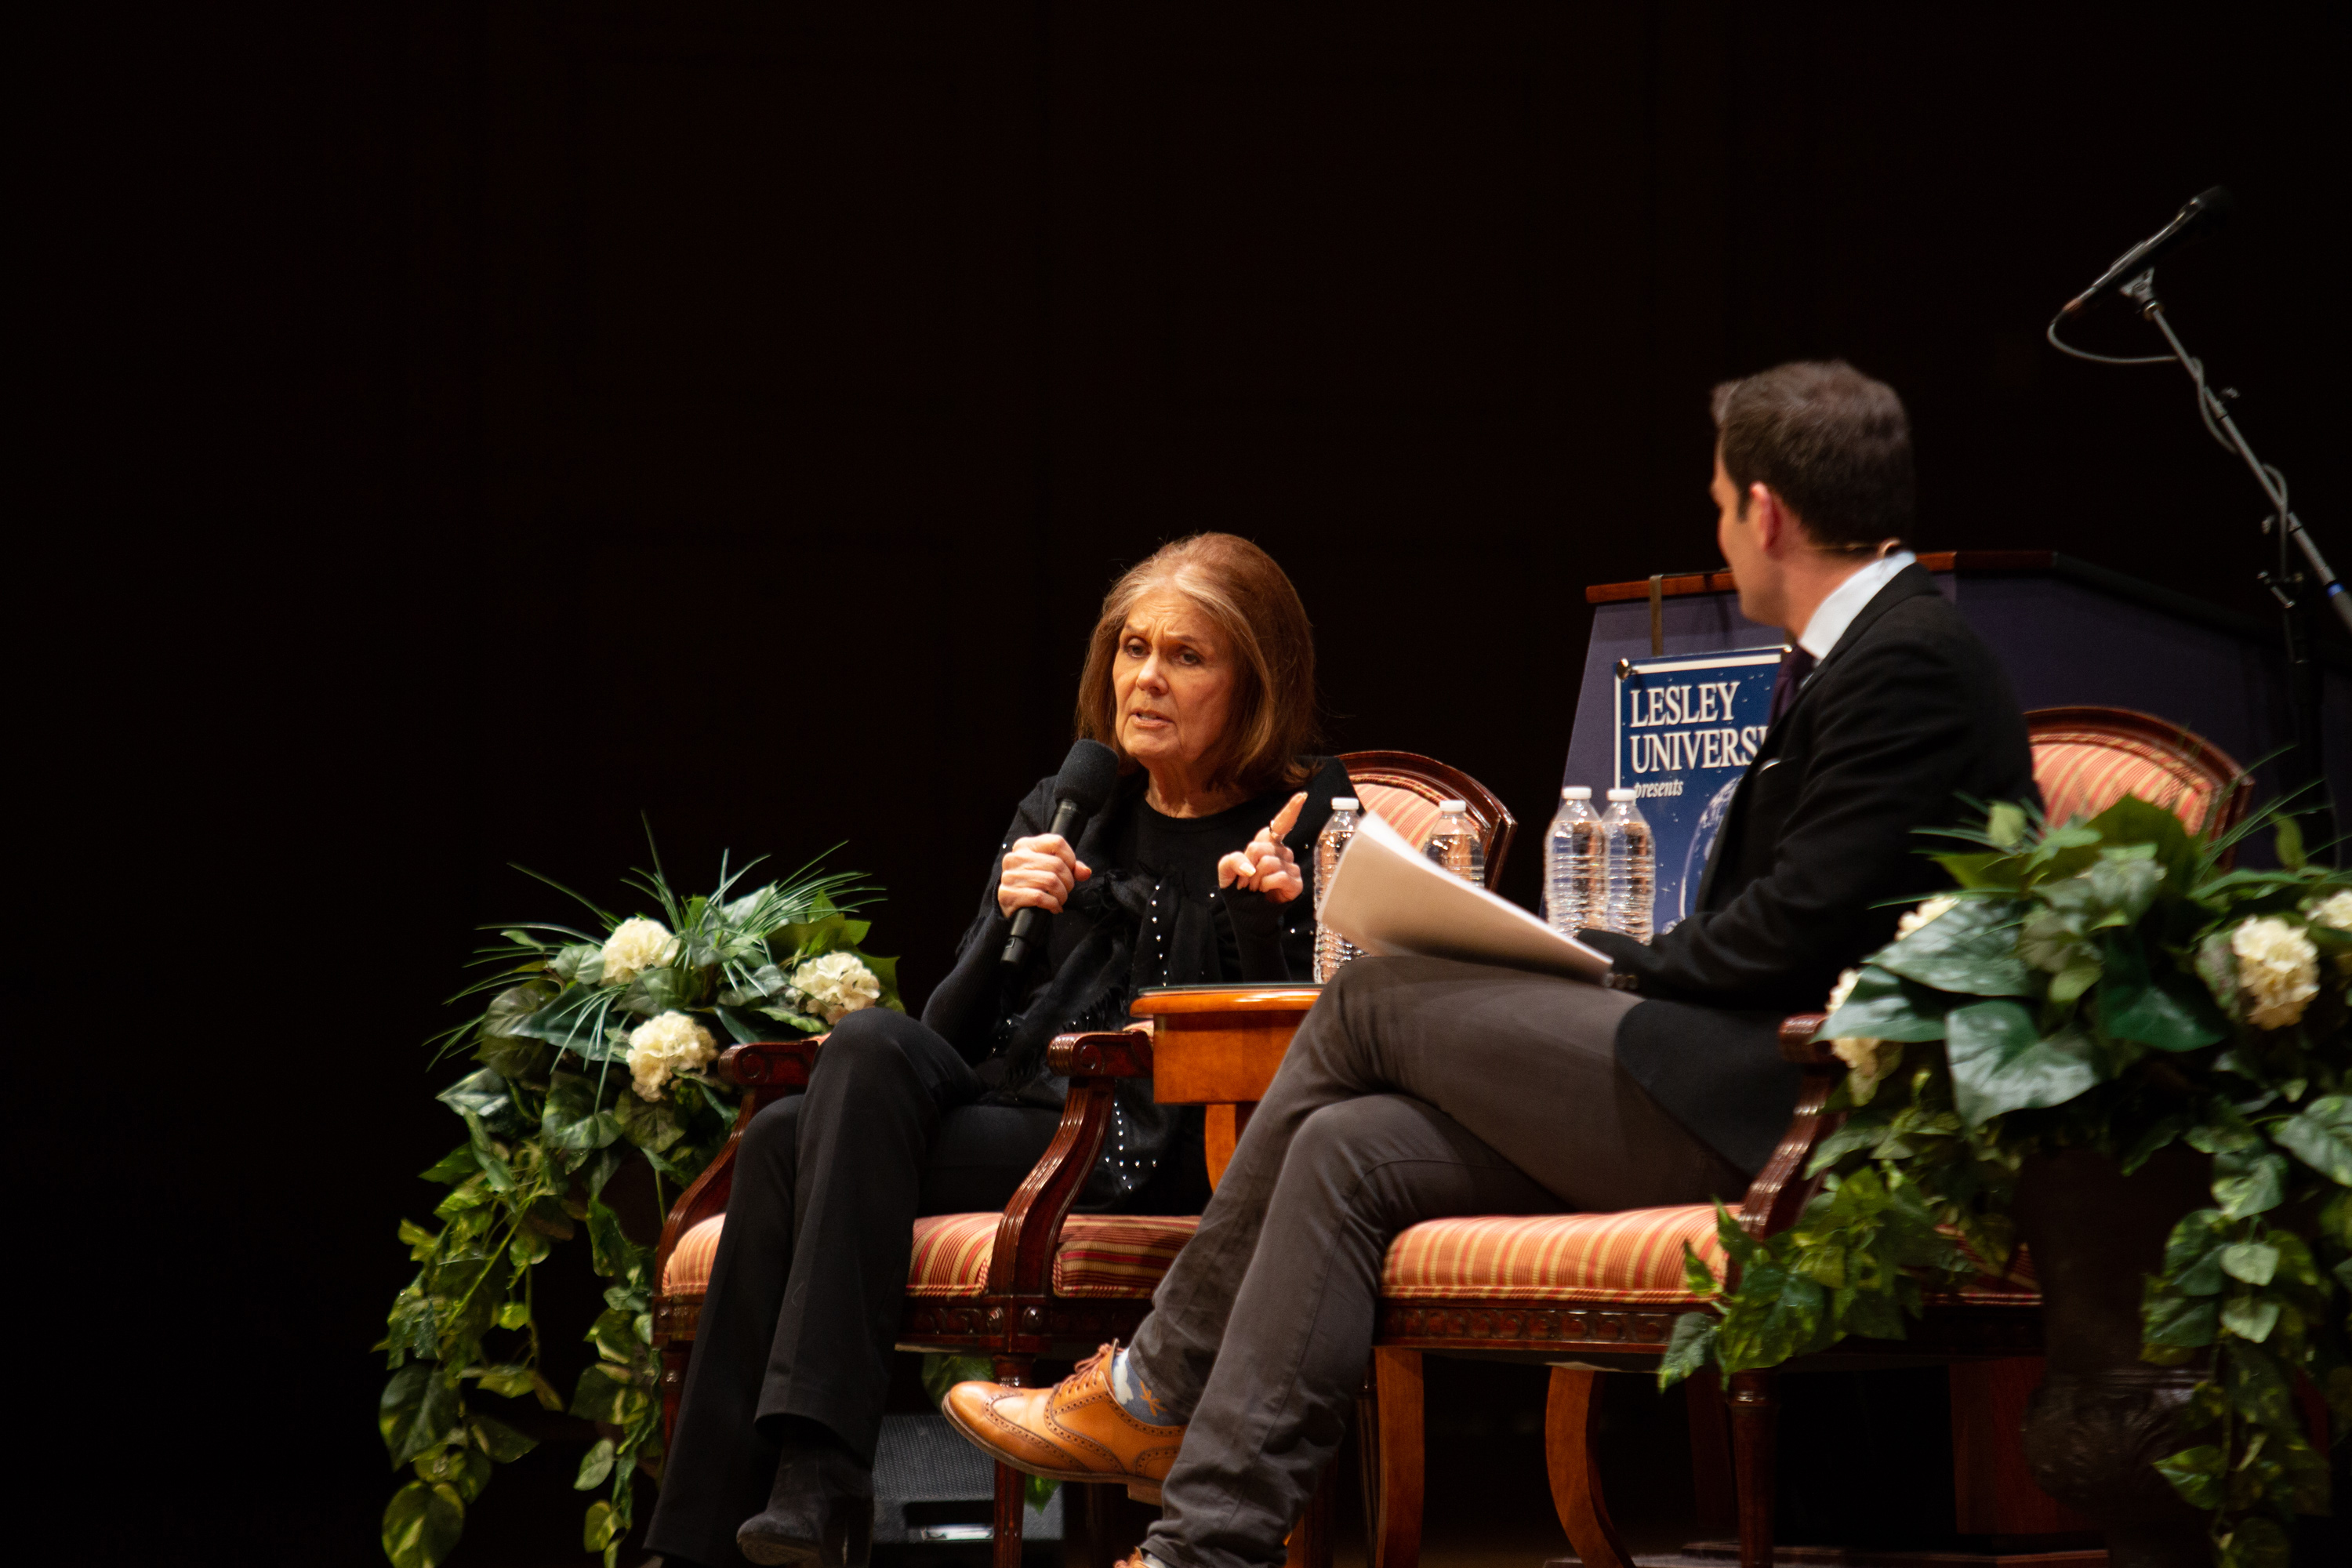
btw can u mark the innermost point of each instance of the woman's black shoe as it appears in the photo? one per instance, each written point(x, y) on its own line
point(820, 1515)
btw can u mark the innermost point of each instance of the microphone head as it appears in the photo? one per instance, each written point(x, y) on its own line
point(2208, 208)
point(1088, 776)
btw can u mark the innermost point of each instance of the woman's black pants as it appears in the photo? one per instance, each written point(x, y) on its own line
point(805, 1293)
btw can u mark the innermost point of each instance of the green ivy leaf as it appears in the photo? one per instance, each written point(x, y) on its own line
point(2288, 842)
point(2255, 1542)
point(2170, 1012)
point(2192, 1254)
point(1882, 1006)
point(2249, 1183)
point(514, 1314)
point(2000, 1063)
point(2183, 1322)
point(659, 991)
point(483, 1093)
point(571, 1119)
point(2196, 1474)
point(595, 1467)
point(1698, 1278)
point(499, 1441)
point(453, 1167)
point(652, 1125)
point(2320, 1135)
point(601, 1527)
point(2250, 1317)
point(1690, 1349)
point(2252, 1261)
point(1971, 949)
point(510, 1379)
point(422, 1525)
point(418, 1408)
point(467, 1469)
point(614, 1336)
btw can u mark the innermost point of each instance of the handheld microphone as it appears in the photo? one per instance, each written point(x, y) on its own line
point(2206, 210)
point(1088, 776)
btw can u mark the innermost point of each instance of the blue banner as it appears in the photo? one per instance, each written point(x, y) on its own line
point(1687, 730)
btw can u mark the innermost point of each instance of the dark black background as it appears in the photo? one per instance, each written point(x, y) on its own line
point(467, 428)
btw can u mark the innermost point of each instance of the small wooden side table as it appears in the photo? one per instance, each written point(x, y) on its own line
point(1218, 1046)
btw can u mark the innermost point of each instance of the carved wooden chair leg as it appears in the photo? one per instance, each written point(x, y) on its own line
point(1105, 1529)
point(1310, 1539)
point(1012, 1486)
point(1710, 1445)
point(1571, 1415)
point(1752, 1417)
point(1392, 1450)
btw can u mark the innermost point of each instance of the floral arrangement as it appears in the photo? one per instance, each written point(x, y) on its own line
point(2109, 984)
point(592, 1051)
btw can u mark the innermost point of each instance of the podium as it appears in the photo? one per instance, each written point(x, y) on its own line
point(2068, 633)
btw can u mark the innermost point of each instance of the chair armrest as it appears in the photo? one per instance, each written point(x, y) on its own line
point(1778, 1193)
point(1127, 1054)
point(1021, 1263)
point(771, 1069)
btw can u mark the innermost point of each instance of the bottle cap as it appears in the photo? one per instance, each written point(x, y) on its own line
point(1621, 794)
point(1576, 792)
point(1343, 802)
point(1452, 806)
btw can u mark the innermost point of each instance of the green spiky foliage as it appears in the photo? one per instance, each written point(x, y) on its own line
point(2086, 987)
point(551, 1115)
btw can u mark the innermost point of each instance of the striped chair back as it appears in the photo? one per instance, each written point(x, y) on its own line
point(1403, 789)
point(2086, 759)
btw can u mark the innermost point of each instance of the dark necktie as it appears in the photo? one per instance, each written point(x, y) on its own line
point(1795, 665)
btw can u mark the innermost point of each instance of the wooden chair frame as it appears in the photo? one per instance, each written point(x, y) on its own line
point(1435, 780)
point(2232, 786)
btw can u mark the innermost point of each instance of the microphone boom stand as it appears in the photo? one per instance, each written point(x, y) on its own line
point(2293, 587)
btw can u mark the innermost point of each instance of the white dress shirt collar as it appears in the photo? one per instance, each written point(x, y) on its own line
point(1837, 612)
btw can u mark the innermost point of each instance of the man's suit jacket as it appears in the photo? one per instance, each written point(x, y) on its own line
point(1909, 713)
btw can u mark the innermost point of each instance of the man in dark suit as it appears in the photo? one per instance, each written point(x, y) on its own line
point(1419, 1089)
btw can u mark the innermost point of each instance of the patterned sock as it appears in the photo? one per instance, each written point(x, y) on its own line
point(1132, 1396)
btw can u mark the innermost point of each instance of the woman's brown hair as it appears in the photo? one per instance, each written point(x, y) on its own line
point(1251, 602)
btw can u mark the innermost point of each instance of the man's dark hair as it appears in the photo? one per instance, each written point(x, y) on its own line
point(1828, 440)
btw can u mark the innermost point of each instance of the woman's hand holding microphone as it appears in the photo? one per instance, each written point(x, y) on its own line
point(1040, 873)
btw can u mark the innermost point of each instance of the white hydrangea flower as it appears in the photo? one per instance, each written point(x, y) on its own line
point(672, 1043)
point(2335, 910)
point(2278, 969)
point(1934, 907)
point(1868, 1063)
point(1844, 988)
point(636, 945)
point(837, 984)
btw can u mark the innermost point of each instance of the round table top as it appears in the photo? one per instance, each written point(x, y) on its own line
point(1167, 1001)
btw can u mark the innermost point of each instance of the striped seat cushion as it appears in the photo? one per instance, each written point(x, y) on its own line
point(2082, 774)
point(1634, 1258)
point(1100, 1256)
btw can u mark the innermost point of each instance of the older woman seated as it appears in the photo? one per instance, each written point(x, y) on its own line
point(1201, 678)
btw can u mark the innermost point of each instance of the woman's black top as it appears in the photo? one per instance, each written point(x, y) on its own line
point(1152, 914)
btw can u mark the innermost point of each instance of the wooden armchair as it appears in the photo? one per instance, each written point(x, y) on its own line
point(1037, 1281)
point(1603, 1290)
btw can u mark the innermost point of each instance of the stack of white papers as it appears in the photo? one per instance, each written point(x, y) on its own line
point(1389, 898)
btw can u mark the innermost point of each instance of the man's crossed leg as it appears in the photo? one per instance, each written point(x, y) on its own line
point(1417, 1089)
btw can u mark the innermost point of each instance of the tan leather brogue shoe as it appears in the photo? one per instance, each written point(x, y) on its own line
point(1074, 1431)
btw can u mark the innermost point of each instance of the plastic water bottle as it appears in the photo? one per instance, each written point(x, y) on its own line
point(1454, 844)
point(1632, 856)
point(1331, 949)
point(1573, 864)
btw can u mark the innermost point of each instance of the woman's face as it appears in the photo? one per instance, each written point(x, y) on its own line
point(1173, 685)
